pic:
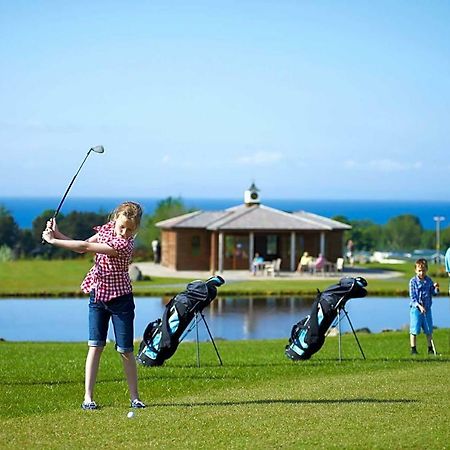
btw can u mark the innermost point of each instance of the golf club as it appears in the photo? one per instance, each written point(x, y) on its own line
point(433, 347)
point(96, 149)
point(431, 340)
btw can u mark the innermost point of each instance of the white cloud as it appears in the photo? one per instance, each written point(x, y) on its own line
point(260, 158)
point(350, 164)
point(384, 165)
point(176, 163)
point(389, 165)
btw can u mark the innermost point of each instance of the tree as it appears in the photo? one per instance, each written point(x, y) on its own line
point(445, 238)
point(165, 209)
point(366, 235)
point(428, 239)
point(26, 243)
point(77, 225)
point(403, 232)
point(9, 230)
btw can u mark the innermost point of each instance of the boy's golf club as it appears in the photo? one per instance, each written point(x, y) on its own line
point(431, 340)
point(433, 347)
point(96, 149)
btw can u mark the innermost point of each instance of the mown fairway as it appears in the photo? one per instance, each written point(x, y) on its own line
point(258, 399)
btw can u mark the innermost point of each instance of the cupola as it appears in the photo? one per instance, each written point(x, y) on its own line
point(251, 196)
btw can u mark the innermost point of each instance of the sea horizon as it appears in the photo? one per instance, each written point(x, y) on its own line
point(26, 208)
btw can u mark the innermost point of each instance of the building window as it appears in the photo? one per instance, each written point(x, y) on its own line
point(272, 244)
point(195, 245)
point(236, 247)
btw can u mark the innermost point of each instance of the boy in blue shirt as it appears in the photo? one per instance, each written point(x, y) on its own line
point(421, 291)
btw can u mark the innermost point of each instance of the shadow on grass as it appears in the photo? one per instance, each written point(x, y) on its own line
point(153, 376)
point(288, 402)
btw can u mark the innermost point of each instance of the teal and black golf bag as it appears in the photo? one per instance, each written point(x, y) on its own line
point(161, 337)
point(308, 335)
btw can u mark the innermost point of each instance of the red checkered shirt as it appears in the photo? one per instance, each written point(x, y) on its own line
point(109, 276)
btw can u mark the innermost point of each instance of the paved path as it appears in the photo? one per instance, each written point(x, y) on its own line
point(156, 270)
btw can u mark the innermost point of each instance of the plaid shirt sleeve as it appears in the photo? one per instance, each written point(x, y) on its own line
point(123, 246)
point(414, 292)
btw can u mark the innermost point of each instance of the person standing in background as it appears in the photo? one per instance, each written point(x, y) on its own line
point(156, 250)
point(447, 265)
point(421, 292)
point(350, 249)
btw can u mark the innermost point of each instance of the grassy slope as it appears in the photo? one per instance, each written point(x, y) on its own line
point(62, 278)
point(258, 399)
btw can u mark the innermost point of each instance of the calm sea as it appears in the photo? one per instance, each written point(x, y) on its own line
point(26, 209)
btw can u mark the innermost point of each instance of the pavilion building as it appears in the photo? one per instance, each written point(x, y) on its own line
point(228, 240)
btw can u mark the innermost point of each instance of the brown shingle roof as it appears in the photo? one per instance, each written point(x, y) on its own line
point(256, 217)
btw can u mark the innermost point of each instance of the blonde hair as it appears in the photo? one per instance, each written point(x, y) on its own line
point(131, 210)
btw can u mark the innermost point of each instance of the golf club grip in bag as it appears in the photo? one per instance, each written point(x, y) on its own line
point(308, 335)
point(162, 336)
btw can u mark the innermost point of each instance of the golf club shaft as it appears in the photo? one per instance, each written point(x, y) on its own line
point(70, 185)
point(431, 340)
point(433, 347)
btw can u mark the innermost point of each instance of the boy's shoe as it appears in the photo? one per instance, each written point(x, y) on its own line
point(89, 406)
point(136, 403)
point(414, 351)
point(430, 351)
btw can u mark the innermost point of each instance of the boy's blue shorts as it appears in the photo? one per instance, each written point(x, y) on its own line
point(420, 321)
point(121, 311)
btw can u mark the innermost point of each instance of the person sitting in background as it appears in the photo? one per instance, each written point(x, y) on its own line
point(320, 263)
point(257, 263)
point(305, 261)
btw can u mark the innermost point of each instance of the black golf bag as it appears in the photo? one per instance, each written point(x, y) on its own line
point(308, 335)
point(161, 337)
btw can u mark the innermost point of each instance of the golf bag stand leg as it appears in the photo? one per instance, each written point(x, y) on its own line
point(354, 332)
point(196, 338)
point(339, 334)
point(212, 339)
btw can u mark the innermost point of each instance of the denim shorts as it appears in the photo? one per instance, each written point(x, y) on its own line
point(420, 321)
point(121, 311)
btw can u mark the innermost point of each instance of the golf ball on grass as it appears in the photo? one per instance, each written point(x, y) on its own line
point(130, 415)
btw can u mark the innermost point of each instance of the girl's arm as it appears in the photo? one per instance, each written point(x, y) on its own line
point(89, 246)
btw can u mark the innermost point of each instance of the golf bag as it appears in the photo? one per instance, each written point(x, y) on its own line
point(308, 335)
point(161, 337)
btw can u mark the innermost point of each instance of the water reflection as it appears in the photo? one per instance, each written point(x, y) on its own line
point(231, 318)
point(258, 317)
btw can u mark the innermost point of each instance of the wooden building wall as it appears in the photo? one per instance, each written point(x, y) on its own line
point(190, 249)
point(169, 248)
point(185, 249)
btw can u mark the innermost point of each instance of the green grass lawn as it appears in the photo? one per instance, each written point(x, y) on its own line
point(258, 399)
point(63, 278)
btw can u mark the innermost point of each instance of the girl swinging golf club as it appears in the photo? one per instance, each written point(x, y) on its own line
point(109, 286)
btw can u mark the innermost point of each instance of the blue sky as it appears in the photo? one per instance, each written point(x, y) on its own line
point(309, 99)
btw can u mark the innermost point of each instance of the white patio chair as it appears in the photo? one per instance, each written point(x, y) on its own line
point(273, 268)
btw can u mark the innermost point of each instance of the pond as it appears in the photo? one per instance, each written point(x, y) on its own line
point(232, 318)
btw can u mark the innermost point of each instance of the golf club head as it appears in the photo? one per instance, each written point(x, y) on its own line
point(97, 149)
